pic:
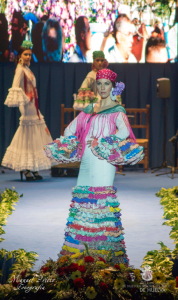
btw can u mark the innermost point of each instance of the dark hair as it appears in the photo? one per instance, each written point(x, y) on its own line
point(21, 20)
point(118, 21)
point(36, 36)
point(154, 42)
point(113, 84)
point(157, 30)
point(79, 27)
point(20, 51)
point(44, 18)
point(52, 47)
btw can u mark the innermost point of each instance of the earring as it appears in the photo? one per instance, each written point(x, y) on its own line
point(113, 97)
point(21, 62)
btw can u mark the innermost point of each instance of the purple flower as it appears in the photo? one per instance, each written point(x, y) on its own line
point(109, 140)
point(120, 86)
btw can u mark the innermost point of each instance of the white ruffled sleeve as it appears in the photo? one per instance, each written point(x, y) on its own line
point(16, 95)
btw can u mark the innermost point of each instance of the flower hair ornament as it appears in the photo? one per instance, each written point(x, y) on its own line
point(117, 90)
point(27, 44)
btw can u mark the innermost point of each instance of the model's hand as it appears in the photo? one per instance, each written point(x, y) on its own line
point(47, 130)
point(90, 142)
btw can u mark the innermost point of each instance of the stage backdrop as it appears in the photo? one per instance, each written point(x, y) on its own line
point(56, 83)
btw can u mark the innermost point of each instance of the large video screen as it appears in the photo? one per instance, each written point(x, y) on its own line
point(70, 30)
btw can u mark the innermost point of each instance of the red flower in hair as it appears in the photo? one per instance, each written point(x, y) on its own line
point(89, 259)
point(103, 286)
point(79, 283)
point(102, 259)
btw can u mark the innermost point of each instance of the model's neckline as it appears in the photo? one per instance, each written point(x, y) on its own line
point(116, 108)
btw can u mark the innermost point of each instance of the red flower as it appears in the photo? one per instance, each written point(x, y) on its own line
point(62, 270)
point(133, 290)
point(102, 259)
point(103, 286)
point(176, 281)
point(82, 269)
point(23, 273)
point(89, 281)
point(89, 259)
point(15, 282)
point(45, 269)
point(73, 267)
point(117, 267)
point(79, 283)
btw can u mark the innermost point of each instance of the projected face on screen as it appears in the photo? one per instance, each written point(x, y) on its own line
point(122, 31)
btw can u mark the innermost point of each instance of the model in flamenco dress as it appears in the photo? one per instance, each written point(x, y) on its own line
point(101, 138)
point(25, 153)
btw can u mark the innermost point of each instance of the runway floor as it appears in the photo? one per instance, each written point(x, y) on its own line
point(39, 220)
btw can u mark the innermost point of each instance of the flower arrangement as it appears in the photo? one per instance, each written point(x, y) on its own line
point(87, 275)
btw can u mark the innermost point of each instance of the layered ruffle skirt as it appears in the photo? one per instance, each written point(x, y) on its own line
point(95, 220)
point(26, 148)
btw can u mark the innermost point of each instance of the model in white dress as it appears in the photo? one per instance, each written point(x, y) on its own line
point(26, 149)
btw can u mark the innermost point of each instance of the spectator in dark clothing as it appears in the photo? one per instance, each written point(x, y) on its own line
point(37, 41)
point(4, 41)
point(19, 30)
point(52, 41)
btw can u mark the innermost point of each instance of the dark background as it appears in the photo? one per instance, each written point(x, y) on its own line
point(56, 83)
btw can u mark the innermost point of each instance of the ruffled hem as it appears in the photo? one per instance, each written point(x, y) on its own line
point(26, 149)
point(100, 228)
point(31, 120)
point(16, 97)
point(117, 152)
point(63, 150)
point(26, 161)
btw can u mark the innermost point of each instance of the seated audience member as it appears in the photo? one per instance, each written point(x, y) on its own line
point(52, 41)
point(37, 41)
point(123, 34)
point(4, 42)
point(83, 38)
point(156, 51)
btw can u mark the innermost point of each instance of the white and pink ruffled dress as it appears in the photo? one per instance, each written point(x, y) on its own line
point(94, 214)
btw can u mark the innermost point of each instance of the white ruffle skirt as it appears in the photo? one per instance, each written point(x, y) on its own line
point(26, 148)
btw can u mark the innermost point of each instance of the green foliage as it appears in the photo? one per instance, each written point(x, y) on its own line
point(23, 260)
point(9, 198)
point(162, 260)
point(3, 4)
